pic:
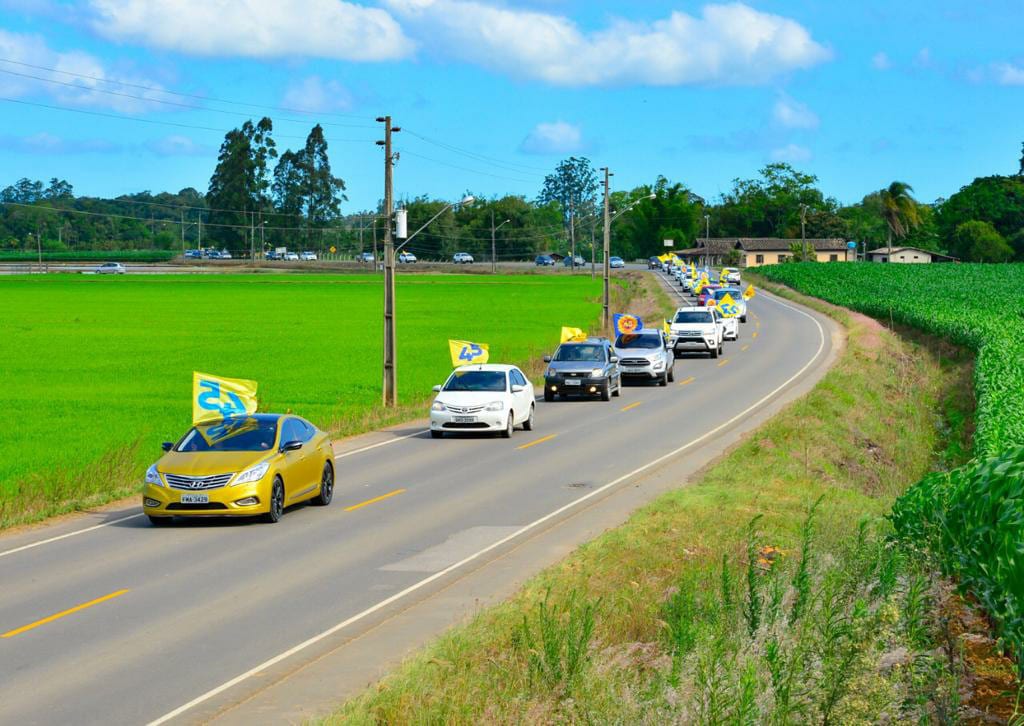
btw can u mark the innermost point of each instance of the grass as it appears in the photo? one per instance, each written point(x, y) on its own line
point(89, 256)
point(98, 370)
point(767, 591)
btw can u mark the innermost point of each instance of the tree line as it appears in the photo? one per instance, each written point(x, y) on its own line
point(259, 198)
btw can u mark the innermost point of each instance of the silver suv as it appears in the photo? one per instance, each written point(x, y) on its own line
point(647, 355)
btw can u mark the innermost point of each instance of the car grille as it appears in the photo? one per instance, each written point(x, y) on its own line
point(476, 425)
point(635, 362)
point(178, 506)
point(197, 483)
point(688, 333)
point(576, 374)
point(464, 409)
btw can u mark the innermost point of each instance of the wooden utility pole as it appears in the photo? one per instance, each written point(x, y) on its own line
point(572, 232)
point(183, 235)
point(390, 387)
point(494, 246)
point(607, 246)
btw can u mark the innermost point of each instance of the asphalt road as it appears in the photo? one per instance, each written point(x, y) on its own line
point(173, 615)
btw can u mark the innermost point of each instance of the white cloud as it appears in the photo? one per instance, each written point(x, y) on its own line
point(316, 96)
point(46, 143)
point(254, 28)
point(792, 114)
point(177, 145)
point(727, 44)
point(923, 59)
point(881, 61)
point(558, 137)
point(1008, 74)
point(74, 90)
point(792, 153)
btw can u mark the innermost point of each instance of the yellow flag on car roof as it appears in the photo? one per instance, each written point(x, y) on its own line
point(749, 292)
point(465, 353)
point(727, 307)
point(569, 334)
point(668, 327)
point(215, 398)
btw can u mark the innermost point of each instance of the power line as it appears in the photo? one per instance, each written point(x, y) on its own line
point(464, 168)
point(510, 165)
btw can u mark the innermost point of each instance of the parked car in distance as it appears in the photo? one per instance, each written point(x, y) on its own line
point(308, 256)
point(366, 257)
point(544, 261)
point(291, 256)
point(583, 368)
point(111, 268)
point(486, 398)
point(193, 254)
point(406, 258)
point(225, 255)
point(273, 255)
point(616, 262)
point(646, 354)
point(570, 261)
point(462, 258)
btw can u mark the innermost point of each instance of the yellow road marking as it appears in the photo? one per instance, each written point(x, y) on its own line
point(723, 362)
point(631, 406)
point(368, 502)
point(758, 325)
point(69, 611)
point(754, 334)
point(688, 381)
point(541, 440)
point(746, 347)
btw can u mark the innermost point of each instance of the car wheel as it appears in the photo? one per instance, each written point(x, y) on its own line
point(716, 351)
point(606, 392)
point(276, 510)
point(721, 347)
point(326, 486)
point(160, 521)
point(509, 427)
point(743, 318)
point(618, 388)
point(436, 434)
point(549, 396)
point(528, 423)
point(663, 381)
point(671, 374)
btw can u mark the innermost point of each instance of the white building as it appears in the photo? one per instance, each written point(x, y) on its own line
point(907, 255)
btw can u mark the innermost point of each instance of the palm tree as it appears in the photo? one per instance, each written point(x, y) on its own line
point(899, 210)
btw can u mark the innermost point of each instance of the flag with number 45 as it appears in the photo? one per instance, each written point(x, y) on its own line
point(465, 353)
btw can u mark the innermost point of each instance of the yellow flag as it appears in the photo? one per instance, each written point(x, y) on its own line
point(749, 292)
point(693, 271)
point(701, 284)
point(668, 328)
point(465, 353)
point(728, 307)
point(215, 398)
point(665, 258)
point(569, 334)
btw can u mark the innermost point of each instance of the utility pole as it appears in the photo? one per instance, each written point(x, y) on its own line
point(199, 242)
point(707, 234)
point(494, 246)
point(375, 245)
point(607, 245)
point(803, 230)
point(572, 232)
point(390, 392)
point(362, 220)
point(183, 235)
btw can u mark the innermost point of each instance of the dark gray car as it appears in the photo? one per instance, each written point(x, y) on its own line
point(583, 368)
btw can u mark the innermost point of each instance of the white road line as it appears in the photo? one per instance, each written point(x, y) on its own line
point(379, 444)
point(426, 581)
point(68, 534)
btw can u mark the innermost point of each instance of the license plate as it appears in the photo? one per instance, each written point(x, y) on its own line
point(195, 498)
point(465, 419)
point(573, 382)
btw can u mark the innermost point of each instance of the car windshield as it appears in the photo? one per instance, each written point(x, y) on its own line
point(476, 381)
point(579, 353)
point(233, 434)
point(693, 316)
point(647, 341)
point(719, 294)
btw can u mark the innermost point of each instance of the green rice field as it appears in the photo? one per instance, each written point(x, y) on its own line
point(98, 371)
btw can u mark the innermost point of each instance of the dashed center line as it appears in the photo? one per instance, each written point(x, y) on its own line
point(368, 502)
point(754, 334)
point(631, 406)
point(541, 440)
point(62, 613)
point(746, 347)
point(724, 362)
point(688, 381)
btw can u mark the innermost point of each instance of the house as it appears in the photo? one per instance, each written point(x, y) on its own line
point(910, 255)
point(764, 250)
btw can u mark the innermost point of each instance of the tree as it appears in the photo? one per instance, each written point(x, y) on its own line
point(1020, 173)
point(574, 186)
point(59, 189)
point(980, 242)
point(239, 185)
point(675, 213)
point(322, 191)
point(797, 253)
point(998, 200)
point(899, 210)
point(769, 206)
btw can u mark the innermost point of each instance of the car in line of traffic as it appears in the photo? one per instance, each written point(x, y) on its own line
point(111, 268)
point(583, 368)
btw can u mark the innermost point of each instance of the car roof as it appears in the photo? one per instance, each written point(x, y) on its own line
point(261, 417)
point(500, 367)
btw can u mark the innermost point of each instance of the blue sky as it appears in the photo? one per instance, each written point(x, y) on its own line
point(931, 93)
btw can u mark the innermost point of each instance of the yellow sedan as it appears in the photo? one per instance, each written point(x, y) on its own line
point(241, 466)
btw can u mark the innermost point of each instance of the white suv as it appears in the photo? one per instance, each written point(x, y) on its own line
point(697, 330)
point(645, 354)
point(406, 258)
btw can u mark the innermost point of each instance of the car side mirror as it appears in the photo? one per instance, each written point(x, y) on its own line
point(167, 445)
point(291, 446)
point(437, 389)
point(614, 359)
point(547, 359)
point(517, 389)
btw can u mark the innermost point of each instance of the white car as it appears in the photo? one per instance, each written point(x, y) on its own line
point(483, 398)
point(406, 258)
point(111, 268)
point(462, 258)
point(697, 330)
point(291, 256)
point(225, 255)
point(308, 256)
point(729, 275)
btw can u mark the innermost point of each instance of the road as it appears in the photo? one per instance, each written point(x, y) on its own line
point(105, 619)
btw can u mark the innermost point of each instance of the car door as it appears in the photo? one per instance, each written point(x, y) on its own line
point(524, 398)
point(296, 467)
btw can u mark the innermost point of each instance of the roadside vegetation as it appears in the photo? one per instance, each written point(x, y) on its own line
point(767, 591)
point(99, 370)
point(971, 519)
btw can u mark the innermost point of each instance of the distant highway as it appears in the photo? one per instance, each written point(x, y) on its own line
point(107, 620)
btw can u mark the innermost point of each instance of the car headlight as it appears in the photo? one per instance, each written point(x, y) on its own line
point(153, 476)
point(438, 406)
point(496, 406)
point(550, 373)
point(597, 373)
point(658, 365)
point(253, 473)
